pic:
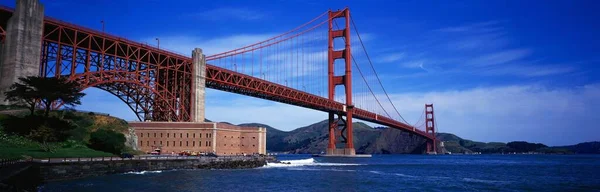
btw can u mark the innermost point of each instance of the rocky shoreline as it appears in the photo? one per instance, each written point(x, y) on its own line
point(28, 176)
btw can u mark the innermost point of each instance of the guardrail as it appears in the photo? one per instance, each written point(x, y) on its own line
point(12, 161)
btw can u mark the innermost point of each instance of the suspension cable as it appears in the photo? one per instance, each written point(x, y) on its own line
point(365, 80)
point(420, 118)
point(371, 63)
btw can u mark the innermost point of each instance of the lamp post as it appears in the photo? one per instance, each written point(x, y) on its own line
point(264, 77)
point(102, 25)
point(157, 43)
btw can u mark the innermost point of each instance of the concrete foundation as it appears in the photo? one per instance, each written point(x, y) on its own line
point(342, 155)
point(342, 151)
point(22, 48)
point(199, 62)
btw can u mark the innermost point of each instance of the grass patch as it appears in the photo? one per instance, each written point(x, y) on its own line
point(19, 147)
point(37, 152)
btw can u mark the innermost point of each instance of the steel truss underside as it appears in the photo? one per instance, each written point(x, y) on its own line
point(153, 84)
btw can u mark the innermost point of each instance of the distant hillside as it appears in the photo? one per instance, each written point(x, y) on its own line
point(455, 144)
point(583, 148)
point(313, 139)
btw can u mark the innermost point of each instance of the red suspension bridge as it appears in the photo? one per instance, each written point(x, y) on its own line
point(317, 65)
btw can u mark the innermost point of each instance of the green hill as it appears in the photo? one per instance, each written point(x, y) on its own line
point(313, 139)
point(455, 144)
point(84, 123)
point(583, 148)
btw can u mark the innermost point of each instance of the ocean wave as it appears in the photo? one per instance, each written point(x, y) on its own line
point(396, 174)
point(403, 175)
point(305, 162)
point(313, 169)
point(472, 180)
point(142, 172)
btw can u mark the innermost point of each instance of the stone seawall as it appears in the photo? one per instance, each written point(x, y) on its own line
point(27, 176)
point(72, 170)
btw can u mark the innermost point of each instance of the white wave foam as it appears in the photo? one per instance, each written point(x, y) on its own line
point(403, 175)
point(396, 174)
point(376, 172)
point(483, 181)
point(142, 172)
point(305, 162)
point(313, 169)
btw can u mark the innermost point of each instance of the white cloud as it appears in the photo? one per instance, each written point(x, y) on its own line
point(415, 64)
point(481, 27)
point(500, 57)
point(522, 112)
point(533, 113)
point(478, 42)
point(184, 44)
point(529, 70)
point(392, 57)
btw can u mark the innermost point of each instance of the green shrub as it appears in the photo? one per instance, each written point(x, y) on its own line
point(107, 141)
point(21, 125)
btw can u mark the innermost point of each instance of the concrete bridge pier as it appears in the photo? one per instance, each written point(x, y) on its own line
point(199, 85)
point(21, 53)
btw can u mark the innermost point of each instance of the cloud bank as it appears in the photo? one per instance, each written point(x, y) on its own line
point(506, 113)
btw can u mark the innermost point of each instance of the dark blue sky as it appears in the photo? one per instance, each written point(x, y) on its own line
point(496, 70)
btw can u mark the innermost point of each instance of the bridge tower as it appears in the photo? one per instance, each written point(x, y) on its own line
point(21, 50)
point(430, 127)
point(345, 80)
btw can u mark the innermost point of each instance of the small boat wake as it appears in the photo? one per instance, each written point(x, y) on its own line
point(304, 162)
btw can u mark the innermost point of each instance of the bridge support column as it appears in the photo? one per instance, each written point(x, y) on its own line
point(199, 86)
point(345, 80)
point(21, 52)
point(332, 127)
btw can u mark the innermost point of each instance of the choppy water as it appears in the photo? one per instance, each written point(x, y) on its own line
point(379, 173)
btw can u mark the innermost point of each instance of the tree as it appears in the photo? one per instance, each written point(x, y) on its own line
point(46, 90)
point(108, 141)
point(22, 94)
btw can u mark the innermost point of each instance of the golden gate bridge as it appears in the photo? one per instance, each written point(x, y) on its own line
point(316, 65)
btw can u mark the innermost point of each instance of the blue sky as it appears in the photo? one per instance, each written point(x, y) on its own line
point(495, 70)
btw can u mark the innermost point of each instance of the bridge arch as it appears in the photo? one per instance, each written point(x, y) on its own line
point(137, 103)
point(139, 95)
